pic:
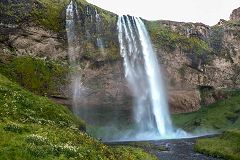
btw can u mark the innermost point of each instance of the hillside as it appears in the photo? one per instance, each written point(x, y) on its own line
point(222, 117)
point(34, 127)
point(225, 146)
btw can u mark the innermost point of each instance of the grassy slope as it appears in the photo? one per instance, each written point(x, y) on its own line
point(220, 116)
point(224, 115)
point(225, 146)
point(33, 127)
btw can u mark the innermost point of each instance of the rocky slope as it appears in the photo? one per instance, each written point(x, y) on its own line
point(193, 56)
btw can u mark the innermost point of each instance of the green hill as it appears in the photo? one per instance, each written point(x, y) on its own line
point(223, 116)
point(226, 146)
point(33, 127)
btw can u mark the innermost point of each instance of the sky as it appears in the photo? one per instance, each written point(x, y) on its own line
point(206, 11)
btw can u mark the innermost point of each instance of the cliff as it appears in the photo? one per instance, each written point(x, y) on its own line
point(194, 56)
point(235, 14)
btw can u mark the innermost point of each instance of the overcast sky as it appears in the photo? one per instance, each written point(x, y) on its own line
point(206, 11)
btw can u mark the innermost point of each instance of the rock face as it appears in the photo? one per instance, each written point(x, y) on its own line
point(235, 14)
point(106, 85)
point(36, 41)
point(186, 67)
point(184, 101)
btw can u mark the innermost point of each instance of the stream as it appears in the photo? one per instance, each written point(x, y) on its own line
point(177, 149)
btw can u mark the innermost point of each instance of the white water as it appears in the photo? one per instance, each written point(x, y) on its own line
point(100, 43)
point(73, 49)
point(144, 76)
point(141, 70)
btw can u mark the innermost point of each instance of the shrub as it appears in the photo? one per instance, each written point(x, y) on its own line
point(14, 127)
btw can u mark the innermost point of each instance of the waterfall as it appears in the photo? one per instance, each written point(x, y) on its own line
point(151, 114)
point(145, 79)
point(73, 49)
point(100, 43)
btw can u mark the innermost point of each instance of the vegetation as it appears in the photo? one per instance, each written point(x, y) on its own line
point(232, 23)
point(106, 31)
point(34, 127)
point(169, 40)
point(130, 153)
point(216, 39)
point(37, 75)
point(43, 12)
point(15, 12)
point(21, 106)
point(226, 146)
point(49, 14)
point(220, 116)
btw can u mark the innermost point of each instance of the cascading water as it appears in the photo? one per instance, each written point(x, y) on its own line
point(145, 80)
point(141, 70)
point(73, 49)
point(99, 30)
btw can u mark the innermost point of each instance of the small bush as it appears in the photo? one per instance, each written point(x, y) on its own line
point(14, 127)
point(66, 149)
point(36, 139)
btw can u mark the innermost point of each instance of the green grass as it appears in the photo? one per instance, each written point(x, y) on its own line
point(34, 128)
point(21, 106)
point(130, 153)
point(220, 116)
point(226, 146)
point(40, 76)
point(223, 116)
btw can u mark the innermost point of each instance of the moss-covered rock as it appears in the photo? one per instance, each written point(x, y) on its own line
point(51, 14)
point(44, 77)
point(95, 23)
point(169, 40)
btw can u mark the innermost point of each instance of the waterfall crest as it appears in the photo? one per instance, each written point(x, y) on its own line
point(145, 80)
